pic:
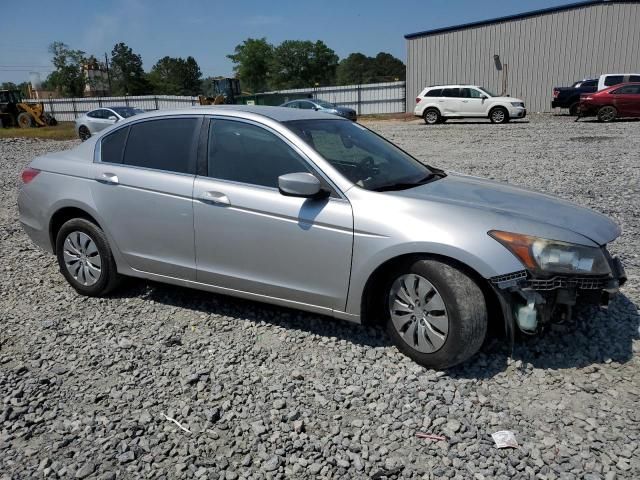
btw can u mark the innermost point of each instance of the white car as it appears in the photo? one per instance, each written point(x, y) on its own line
point(101, 118)
point(610, 79)
point(438, 103)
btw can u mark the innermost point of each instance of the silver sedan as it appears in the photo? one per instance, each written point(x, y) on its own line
point(97, 120)
point(311, 211)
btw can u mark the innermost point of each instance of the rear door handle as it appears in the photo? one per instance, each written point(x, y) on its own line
point(108, 178)
point(218, 198)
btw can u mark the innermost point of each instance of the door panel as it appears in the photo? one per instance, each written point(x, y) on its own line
point(255, 239)
point(149, 214)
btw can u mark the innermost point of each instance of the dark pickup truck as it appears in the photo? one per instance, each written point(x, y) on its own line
point(569, 97)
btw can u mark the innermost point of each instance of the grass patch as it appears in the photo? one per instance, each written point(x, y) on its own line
point(62, 131)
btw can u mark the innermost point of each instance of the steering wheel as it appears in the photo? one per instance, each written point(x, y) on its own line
point(367, 168)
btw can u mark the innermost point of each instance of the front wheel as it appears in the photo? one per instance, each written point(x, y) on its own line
point(85, 259)
point(499, 115)
point(25, 120)
point(436, 314)
point(607, 114)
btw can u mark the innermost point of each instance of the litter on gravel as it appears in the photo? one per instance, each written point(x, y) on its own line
point(505, 439)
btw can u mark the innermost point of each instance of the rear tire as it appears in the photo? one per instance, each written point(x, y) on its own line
point(84, 133)
point(432, 116)
point(574, 109)
point(25, 120)
point(607, 113)
point(499, 115)
point(85, 258)
point(446, 306)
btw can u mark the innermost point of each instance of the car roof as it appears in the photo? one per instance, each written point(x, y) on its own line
point(279, 114)
point(456, 85)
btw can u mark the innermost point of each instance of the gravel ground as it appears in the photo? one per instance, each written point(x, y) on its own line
point(86, 385)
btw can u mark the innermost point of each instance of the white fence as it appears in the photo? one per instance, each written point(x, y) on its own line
point(68, 109)
point(388, 97)
point(372, 98)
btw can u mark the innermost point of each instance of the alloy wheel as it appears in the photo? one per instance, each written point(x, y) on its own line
point(418, 313)
point(498, 115)
point(607, 114)
point(84, 133)
point(82, 258)
point(431, 116)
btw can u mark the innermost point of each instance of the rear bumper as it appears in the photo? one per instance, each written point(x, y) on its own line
point(555, 103)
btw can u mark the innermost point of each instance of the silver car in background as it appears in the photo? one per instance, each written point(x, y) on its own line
point(311, 211)
point(97, 120)
point(322, 106)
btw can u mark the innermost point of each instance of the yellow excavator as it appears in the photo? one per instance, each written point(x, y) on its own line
point(225, 91)
point(14, 112)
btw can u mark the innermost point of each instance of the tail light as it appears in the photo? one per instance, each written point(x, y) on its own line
point(556, 92)
point(418, 99)
point(29, 174)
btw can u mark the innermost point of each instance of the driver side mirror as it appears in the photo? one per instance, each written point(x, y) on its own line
point(483, 97)
point(112, 118)
point(301, 184)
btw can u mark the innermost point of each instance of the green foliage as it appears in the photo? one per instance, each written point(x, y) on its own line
point(252, 60)
point(127, 75)
point(22, 87)
point(68, 77)
point(176, 76)
point(298, 64)
point(358, 68)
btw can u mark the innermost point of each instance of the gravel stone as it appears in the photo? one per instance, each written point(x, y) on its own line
point(271, 393)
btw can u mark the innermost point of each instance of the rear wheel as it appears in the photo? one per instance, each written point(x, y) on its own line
point(607, 113)
point(499, 115)
point(436, 314)
point(85, 259)
point(25, 120)
point(84, 133)
point(574, 109)
point(432, 116)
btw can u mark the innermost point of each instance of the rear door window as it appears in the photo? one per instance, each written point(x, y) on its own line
point(451, 92)
point(165, 144)
point(112, 146)
point(610, 80)
point(634, 78)
point(436, 92)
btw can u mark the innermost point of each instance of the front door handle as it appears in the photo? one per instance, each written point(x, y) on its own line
point(218, 198)
point(109, 178)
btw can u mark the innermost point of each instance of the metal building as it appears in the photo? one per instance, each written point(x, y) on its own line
point(526, 55)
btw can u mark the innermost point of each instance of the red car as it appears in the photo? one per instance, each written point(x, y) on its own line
point(622, 100)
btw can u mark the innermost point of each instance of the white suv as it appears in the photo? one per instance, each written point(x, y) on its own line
point(439, 102)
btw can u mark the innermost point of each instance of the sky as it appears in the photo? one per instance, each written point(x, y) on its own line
point(210, 30)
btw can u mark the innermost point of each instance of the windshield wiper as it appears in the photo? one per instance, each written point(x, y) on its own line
point(404, 185)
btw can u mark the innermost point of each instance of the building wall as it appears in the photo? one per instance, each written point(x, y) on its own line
point(553, 49)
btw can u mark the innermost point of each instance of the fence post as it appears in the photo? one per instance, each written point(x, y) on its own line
point(404, 95)
point(126, 100)
point(75, 110)
point(51, 106)
point(359, 89)
point(155, 99)
point(100, 102)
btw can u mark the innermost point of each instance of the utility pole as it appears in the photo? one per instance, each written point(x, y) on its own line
point(106, 62)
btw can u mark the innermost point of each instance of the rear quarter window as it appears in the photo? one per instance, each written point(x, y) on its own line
point(434, 92)
point(613, 80)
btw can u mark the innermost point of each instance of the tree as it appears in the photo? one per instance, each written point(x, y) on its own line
point(127, 75)
point(252, 60)
point(68, 77)
point(22, 87)
point(298, 64)
point(358, 68)
point(176, 76)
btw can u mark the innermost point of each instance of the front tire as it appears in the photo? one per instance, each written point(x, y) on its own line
point(25, 120)
point(85, 259)
point(499, 115)
point(607, 114)
point(432, 116)
point(436, 314)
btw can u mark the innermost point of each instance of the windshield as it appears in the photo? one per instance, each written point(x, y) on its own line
point(488, 92)
point(323, 104)
point(126, 112)
point(363, 157)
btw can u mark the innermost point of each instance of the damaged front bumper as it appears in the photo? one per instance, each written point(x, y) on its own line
point(530, 302)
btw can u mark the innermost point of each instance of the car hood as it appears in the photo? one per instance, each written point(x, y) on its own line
point(516, 203)
point(506, 99)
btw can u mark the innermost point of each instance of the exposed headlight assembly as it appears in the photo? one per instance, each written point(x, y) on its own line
point(553, 256)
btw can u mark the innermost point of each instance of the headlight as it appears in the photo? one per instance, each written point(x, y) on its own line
point(518, 104)
point(553, 256)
